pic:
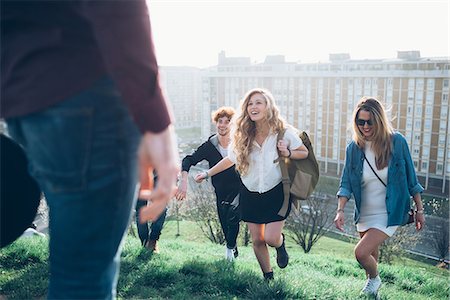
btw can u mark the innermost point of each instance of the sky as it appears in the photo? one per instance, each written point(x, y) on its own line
point(192, 33)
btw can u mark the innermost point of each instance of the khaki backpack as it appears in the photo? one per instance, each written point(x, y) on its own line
point(299, 176)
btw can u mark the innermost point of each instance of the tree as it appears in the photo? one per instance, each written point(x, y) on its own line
point(202, 209)
point(440, 240)
point(438, 209)
point(405, 237)
point(310, 222)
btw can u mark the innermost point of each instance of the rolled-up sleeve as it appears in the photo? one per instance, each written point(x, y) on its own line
point(344, 186)
point(123, 35)
point(414, 186)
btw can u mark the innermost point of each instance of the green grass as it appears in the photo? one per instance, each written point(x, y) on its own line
point(191, 267)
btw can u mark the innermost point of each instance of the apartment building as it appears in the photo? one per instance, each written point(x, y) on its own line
point(182, 85)
point(320, 97)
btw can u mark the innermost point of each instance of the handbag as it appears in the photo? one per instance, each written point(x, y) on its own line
point(299, 176)
point(410, 212)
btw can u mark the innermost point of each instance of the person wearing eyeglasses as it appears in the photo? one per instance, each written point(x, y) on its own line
point(380, 175)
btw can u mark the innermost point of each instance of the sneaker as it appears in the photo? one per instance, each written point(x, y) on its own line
point(282, 255)
point(268, 276)
point(229, 254)
point(152, 245)
point(236, 252)
point(372, 286)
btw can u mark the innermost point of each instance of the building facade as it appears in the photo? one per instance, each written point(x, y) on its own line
point(182, 85)
point(320, 97)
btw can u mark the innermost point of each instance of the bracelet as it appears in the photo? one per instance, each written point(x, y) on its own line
point(340, 210)
point(290, 153)
point(420, 211)
point(206, 175)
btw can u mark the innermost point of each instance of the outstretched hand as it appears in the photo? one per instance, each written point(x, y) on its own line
point(200, 177)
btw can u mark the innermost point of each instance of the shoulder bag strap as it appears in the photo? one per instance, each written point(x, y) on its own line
point(284, 178)
point(373, 170)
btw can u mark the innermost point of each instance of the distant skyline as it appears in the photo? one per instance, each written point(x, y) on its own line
point(192, 33)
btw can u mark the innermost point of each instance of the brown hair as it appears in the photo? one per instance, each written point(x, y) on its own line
point(382, 130)
point(224, 111)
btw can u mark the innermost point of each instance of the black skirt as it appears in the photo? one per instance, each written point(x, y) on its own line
point(262, 208)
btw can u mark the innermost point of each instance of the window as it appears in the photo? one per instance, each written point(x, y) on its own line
point(418, 111)
point(424, 166)
point(427, 124)
point(439, 169)
point(445, 83)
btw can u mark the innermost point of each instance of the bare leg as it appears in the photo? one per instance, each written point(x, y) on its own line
point(260, 246)
point(366, 251)
point(272, 234)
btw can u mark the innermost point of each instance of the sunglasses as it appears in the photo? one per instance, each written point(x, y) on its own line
point(361, 122)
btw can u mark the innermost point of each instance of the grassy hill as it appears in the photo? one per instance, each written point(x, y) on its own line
point(191, 267)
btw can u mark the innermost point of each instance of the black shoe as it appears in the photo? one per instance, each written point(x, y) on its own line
point(268, 276)
point(236, 253)
point(282, 255)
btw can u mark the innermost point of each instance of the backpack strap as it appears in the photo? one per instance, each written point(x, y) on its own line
point(284, 178)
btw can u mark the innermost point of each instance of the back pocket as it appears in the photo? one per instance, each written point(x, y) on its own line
point(58, 143)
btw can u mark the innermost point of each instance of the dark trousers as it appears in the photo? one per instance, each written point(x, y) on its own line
point(230, 226)
point(155, 228)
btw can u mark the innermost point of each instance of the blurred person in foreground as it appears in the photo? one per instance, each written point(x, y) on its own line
point(226, 184)
point(80, 93)
point(380, 174)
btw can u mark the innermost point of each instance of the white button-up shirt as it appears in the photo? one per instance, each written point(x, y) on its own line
point(263, 174)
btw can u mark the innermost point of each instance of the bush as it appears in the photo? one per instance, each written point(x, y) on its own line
point(203, 211)
point(405, 237)
point(309, 223)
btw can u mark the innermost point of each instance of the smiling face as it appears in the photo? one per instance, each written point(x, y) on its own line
point(223, 126)
point(365, 122)
point(257, 107)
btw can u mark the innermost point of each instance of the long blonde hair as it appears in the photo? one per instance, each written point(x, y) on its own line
point(245, 128)
point(382, 130)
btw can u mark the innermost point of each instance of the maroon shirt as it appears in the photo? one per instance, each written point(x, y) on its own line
point(51, 50)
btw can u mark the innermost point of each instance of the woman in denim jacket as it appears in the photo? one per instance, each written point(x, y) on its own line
point(380, 174)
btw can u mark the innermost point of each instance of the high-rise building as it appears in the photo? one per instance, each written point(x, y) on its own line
point(320, 97)
point(182, 85)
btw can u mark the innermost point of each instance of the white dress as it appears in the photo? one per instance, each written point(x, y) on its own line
point(373, 213)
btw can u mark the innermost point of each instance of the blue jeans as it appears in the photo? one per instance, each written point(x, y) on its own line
point(155, 227)
point(82, 152)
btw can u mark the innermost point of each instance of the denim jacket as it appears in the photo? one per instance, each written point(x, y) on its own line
point(402, 180)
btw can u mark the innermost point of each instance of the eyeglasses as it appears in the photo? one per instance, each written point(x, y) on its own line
point(361, 122)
